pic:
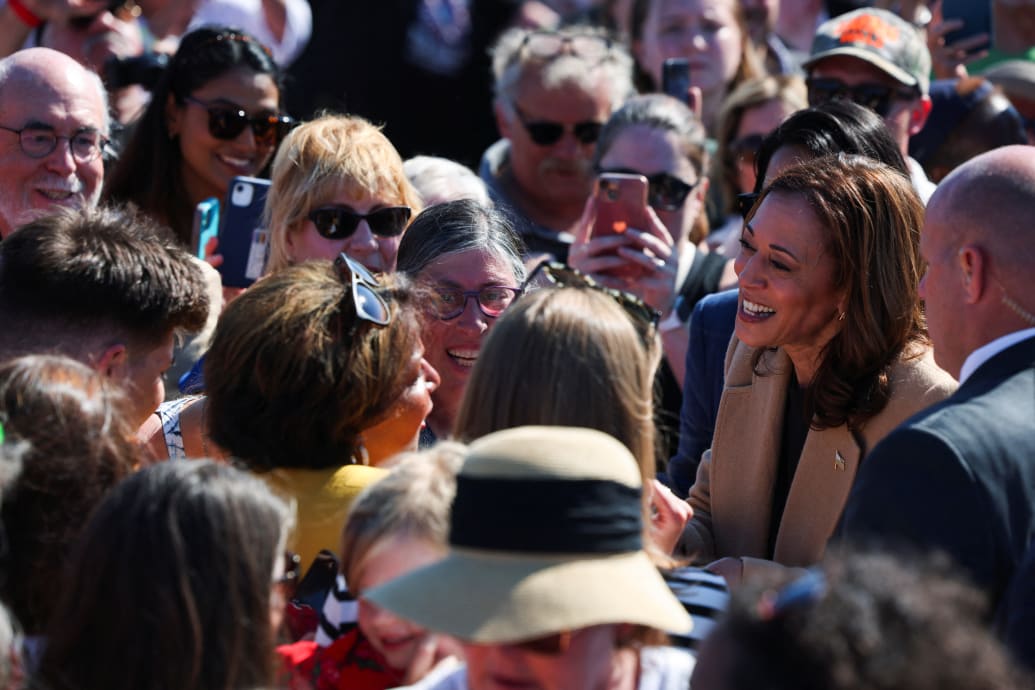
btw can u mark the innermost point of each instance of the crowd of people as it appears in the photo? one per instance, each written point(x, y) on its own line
point(551, 371)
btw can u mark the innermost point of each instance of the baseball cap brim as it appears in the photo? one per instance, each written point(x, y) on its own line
point(498, 598)
point(897, 73)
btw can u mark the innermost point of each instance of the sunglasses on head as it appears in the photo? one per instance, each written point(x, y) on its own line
point(228, 121)
point(546, 133)
point(876, 97)
point(339, 222)
point(561, 275)
point(545, 45)
point(664, 191)
point(369, 304)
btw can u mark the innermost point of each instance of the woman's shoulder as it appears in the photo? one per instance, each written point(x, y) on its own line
point(915, 374)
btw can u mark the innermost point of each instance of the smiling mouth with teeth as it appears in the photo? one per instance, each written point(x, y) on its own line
point(463, 357)
point(753, 308)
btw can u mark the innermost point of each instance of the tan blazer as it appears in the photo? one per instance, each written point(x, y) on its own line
point(732, 498)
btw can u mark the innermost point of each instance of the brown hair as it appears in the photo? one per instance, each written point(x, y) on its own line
point(873, 216)
point(315, 159)
point(293, 376)
point(565, 357)
point(79, 444)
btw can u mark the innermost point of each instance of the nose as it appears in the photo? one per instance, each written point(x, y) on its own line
point(472, 318)
point(745, 268)
point(361, 242)
point(61, 160)
point(431, 377)
point(568, 146)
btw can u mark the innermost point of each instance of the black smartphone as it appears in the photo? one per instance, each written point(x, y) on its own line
point(976, 16)
point(675, 78)
point(206, 225)
point(243, 241)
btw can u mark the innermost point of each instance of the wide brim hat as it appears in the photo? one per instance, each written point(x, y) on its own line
point(545, 537)
point(878, 37)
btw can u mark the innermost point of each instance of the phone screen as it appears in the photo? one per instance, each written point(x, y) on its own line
point(675, 79)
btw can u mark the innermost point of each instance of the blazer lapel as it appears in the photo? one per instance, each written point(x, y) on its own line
point(819, 491)
point(750, 417)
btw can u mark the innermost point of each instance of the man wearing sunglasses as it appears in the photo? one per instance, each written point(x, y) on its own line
point(880, 61)
point(554, 91)
point(53, 130)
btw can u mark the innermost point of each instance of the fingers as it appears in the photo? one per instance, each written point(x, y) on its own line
point(585, 224)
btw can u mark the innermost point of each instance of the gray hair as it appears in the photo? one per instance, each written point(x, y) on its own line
point(509, 62)
point(441, 179)
point(459, 226)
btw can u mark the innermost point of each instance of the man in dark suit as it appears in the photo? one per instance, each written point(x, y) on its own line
point(960, 476)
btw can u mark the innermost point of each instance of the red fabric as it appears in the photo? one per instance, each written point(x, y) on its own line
point(23, 13)
point(350, 663)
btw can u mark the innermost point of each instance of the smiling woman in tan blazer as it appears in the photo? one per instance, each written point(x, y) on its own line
point(830, 354)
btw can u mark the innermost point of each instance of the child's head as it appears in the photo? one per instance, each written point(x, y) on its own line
point(397, 525)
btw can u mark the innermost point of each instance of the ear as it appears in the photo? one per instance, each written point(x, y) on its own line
point(918, 115)
point(173, 117)
point(113, 362)
point(972, 272)
point(502, 118)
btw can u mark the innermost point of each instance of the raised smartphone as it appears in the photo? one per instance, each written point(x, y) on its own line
point(976, 16)
point(621, 203)
point(206, 225)
point(243, 241)
point(675, 79)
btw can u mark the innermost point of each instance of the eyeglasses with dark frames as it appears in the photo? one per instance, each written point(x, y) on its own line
point(545, 45)
point(746, 148)
point(876, 97)
point(561, 275)
point(369, 304)
point(492, 300)
point(664, 191)
point(39, 141)
point(226, 122)
point(548, 133)
point(340, 222)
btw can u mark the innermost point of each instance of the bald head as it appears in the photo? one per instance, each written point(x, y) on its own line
point(53, 124)
point(990, 201)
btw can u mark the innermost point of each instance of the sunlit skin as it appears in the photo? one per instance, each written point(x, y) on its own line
point(452, 346)
point(208, 164)
point(376, 252)
point(551, 183)
point(590, 661)
point(400, 429)
point(397, 639)
point(703, 31)
point(787, 294)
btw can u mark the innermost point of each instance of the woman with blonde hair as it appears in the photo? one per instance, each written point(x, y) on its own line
point(338, 185)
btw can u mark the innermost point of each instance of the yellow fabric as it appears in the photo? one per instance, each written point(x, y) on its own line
point(322, 500)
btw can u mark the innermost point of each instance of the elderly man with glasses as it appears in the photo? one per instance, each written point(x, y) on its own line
point(879, 60)
point(53, 129)
point(553, 92)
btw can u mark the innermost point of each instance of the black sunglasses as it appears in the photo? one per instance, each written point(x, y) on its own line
point(339, 222)
point(561, 275)
point(876, 97)
point(493, 300)
point(746, 147)
point(228, 121)
point(745, 202)
point(546, 133)
point(370, 305)
point(664, 191)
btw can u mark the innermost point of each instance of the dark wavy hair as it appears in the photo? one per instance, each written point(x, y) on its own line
point(293, 376)
point(879, 621)
point(171, 585)
point(873, 216)
point(78, 443)
point(148, 170)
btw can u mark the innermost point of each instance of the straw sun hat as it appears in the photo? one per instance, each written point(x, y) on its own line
point(545, 537)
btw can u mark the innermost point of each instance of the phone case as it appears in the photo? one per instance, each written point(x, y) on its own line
point(206, 225)
point(675, 79)
point(243, 242)
point(621, 201)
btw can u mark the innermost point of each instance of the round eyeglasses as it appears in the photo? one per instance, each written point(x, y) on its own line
point(38, 141)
